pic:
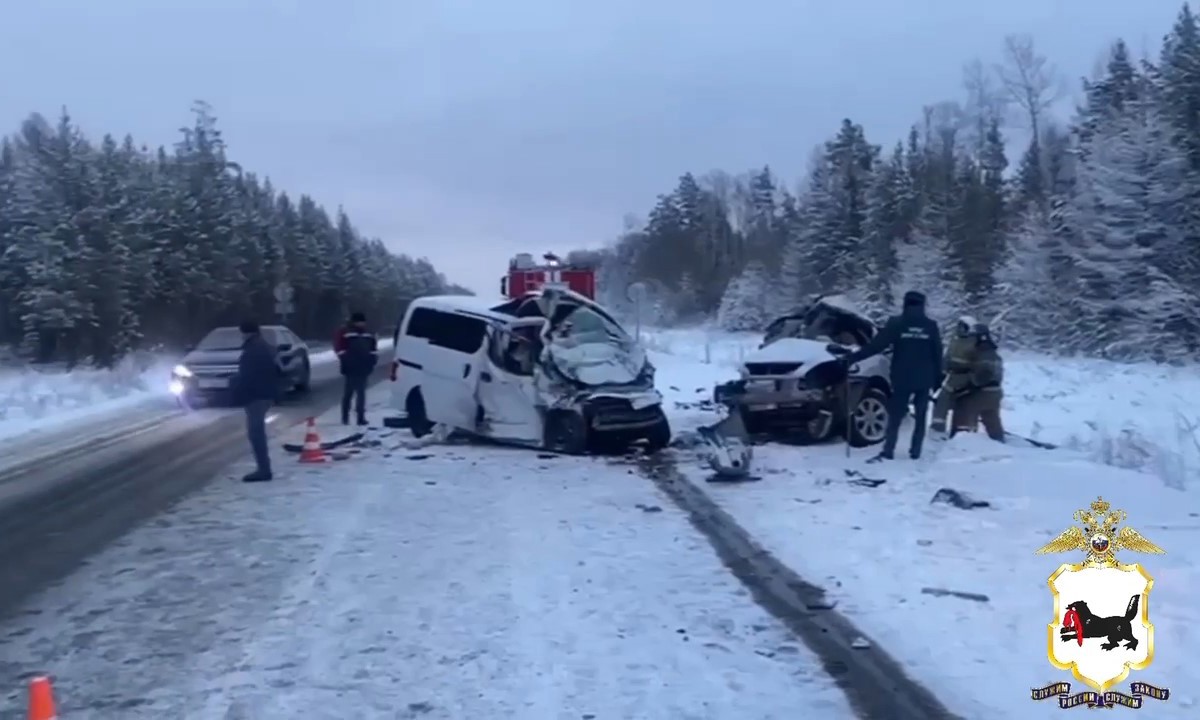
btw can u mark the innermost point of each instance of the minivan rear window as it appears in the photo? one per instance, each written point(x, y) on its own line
point(449, 330)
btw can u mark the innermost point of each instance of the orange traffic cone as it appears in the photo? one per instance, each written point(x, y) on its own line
point(41, 699)
point(312, 452)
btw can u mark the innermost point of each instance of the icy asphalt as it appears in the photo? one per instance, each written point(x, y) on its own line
point(446, 582)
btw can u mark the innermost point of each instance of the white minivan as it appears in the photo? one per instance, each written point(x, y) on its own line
point(551, 369)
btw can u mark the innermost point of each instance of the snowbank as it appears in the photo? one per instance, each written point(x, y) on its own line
point(1135, 416)
point(32, 399)
point(1139, 416)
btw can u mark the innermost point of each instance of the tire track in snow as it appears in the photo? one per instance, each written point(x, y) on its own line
point(875, 684)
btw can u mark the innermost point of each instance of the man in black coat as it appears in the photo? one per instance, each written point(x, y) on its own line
point(358, 353)
point(255, 387)
point(916, 369)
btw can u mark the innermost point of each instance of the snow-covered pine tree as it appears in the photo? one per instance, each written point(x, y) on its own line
point(1128, 238)
point(1179, 73)
point(743, 307)
point(1037, 289)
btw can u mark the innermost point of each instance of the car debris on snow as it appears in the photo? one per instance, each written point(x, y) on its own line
point(857, 478)
point(730, 451)
point(960, 500)
point(942, 592)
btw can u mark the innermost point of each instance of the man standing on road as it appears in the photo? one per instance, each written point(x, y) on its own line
point(255, 388)
point(358, 353)
point(916, 369)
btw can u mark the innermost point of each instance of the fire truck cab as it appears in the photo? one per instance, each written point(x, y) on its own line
point(526, 276)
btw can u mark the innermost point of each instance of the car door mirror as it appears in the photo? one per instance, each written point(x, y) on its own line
point(285, 347)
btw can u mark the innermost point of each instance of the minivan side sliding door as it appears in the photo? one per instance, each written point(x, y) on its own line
point(449, 364)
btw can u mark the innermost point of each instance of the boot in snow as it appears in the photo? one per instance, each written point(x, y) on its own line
point(879, 458)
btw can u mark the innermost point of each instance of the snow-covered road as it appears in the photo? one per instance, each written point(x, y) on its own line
point(446, 582)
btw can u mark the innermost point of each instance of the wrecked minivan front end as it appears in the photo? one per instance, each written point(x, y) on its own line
point(593, 371)
point(611, 384)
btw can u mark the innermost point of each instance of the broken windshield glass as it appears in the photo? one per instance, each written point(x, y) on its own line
point(589, 348)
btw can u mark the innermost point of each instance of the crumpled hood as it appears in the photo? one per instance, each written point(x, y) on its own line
point(792, 350)
point(598, 364)
point(212, 357)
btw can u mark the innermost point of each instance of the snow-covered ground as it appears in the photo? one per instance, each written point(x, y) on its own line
point(895, 551)
point(453, 581)
point(37, 400)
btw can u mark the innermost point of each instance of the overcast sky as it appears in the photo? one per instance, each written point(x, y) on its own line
point(469, 131)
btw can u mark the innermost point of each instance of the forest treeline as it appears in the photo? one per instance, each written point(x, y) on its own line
point(108, 247)
point(1085, 240)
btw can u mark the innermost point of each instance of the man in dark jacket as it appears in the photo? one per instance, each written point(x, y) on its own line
point(916, 369)
point(357, 352)
point(255, 388)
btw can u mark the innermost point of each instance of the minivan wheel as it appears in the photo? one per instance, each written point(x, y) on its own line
point(868, 422)
point(565, 432)
point(418, 422)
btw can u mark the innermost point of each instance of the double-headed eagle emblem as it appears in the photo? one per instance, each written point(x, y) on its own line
point(1100, 537)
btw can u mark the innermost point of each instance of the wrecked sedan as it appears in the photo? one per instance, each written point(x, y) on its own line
point(792, 386)
point(551, 369)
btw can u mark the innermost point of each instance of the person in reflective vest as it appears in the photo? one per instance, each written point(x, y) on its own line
point(960, 352)
point(358, 353)
point(982, 400)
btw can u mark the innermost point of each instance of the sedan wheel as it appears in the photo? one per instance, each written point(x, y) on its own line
point(868, 425)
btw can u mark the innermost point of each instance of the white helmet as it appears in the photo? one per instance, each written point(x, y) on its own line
point(965, 325)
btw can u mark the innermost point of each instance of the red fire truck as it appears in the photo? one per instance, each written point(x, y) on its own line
point(525, 275)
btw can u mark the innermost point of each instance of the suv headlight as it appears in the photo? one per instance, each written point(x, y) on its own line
point(181, 371)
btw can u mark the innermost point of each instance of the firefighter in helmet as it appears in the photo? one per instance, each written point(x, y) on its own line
point(960, 353)
point(980, 402)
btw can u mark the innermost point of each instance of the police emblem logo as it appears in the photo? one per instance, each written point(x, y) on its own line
point(1101, 627)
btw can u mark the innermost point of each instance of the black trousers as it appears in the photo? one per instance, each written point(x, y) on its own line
point(898, 408)
point(354, 386)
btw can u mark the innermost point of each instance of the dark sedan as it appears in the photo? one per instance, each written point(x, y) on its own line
point(205, 373)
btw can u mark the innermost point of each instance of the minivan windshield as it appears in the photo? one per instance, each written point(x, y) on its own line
point(592, 349)
point(584, 325)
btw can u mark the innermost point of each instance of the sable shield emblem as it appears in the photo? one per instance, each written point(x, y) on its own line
point(1101, 627)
